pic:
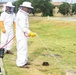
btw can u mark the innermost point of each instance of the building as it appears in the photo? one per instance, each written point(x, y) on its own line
point(1, 5)
point(56, 9)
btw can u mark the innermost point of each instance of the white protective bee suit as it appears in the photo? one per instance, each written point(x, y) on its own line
point(22, 45)
point(22, 26)
point(8, 20)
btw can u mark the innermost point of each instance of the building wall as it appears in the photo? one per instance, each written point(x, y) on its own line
point(1, 5)
point(56, 12)
point(56, 9)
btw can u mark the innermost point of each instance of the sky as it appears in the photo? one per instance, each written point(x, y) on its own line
point(70, 1)
point(7, 0)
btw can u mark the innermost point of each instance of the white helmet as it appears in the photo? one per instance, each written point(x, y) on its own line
point(26, 4)
point(9, 4)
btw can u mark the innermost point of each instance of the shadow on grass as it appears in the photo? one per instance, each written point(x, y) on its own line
point(38, 52)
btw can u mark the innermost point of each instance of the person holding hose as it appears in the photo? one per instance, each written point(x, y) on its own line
point(22, 30)
point(6, 24)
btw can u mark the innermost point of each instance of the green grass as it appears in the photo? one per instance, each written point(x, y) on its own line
point(60, 39)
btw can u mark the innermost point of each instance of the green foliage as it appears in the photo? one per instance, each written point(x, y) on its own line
point(43, 6)
point(74, 8)
point(65, 8)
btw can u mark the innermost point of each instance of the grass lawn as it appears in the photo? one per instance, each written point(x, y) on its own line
point(60, 39)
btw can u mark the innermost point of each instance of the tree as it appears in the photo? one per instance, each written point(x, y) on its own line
point(74, 8)
point(65, 8)
point(43, 6)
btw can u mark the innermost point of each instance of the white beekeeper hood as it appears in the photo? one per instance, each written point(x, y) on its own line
point(9, 4)
point(26, 4)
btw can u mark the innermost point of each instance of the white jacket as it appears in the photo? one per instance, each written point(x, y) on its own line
point(8, 20)
point(22, 23)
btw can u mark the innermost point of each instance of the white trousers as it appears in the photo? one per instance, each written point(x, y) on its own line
point(5, 38)
point(22, 49)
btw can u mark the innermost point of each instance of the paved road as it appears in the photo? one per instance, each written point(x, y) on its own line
point(64, 18)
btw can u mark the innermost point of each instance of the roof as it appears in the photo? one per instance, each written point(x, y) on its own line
point(2, 3)
point(56, 3)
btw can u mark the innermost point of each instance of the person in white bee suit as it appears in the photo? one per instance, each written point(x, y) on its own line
point(22, 30)
point(7, 20)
